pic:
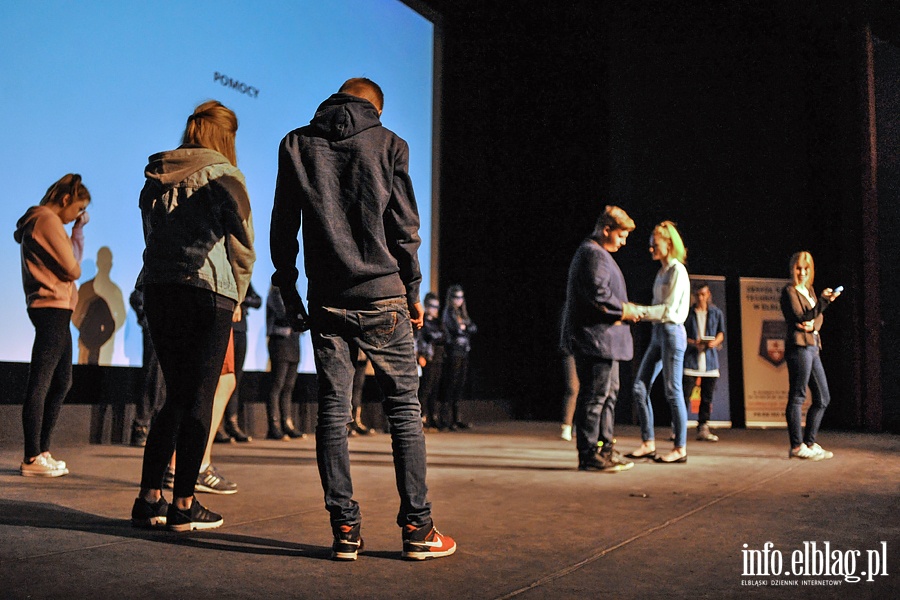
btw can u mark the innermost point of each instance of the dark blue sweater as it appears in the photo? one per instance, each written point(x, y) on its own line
point(345, 179)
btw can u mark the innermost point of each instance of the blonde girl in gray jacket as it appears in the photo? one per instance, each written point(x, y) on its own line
point(197, 263)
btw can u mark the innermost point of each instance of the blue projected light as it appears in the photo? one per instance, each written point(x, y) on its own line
point(96, 87)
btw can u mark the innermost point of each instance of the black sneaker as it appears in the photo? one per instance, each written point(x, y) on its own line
point(195, 517)
point(421, 543)
point(347, 543)
point(590, 462)
point(613, 462)
point(148, 515)
point(211, 482)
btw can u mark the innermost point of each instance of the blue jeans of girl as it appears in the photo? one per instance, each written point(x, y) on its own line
point(664, 355)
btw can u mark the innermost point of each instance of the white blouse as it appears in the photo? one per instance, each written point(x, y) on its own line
point(671, 295)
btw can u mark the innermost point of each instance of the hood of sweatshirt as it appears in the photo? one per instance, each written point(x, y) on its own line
point(26, 221)
point(174, 166)
point(343, 116)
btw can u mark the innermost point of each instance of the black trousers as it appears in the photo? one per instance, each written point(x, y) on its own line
point(707, 390)
point(154, 392)
point(430, 386)
point(190, 329)
point(284, 378)
point(49, 376)
point(453, 382)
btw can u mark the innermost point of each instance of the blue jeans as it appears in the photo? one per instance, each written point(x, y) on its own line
point(665, 353)
point(382, 330)
point(805, 369)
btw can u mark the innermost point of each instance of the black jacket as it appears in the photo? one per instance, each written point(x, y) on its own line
point(345, 179)
point(595, 292)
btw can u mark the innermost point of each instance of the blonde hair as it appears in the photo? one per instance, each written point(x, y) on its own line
point(69, 184)
point(804, 256)
point(213, 126)
point(667, 231)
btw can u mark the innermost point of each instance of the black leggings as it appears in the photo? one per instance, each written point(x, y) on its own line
point(49, 376)
point(284, 376)
point(453, 380)
point(190, 329)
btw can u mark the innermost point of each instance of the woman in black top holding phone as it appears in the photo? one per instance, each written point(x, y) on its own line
point(803, 313)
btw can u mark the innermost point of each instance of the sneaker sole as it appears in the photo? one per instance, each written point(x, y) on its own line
point(208, 490)
point(426, 555)
point(815, 458)
point(56, 473)
point(618, 468)
point(151, 523)
point(185, 527)
point(343, 555)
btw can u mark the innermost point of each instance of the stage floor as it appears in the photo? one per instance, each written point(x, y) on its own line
point(528, 524)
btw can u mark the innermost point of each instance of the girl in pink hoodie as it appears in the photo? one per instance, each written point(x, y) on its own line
point(51, 263)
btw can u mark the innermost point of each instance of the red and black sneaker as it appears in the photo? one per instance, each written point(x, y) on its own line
point(347, 542)
point(421, 543)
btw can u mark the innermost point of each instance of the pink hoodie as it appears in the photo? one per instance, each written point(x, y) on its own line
point(51, 261)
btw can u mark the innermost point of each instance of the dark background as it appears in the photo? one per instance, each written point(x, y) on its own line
point(744, 122)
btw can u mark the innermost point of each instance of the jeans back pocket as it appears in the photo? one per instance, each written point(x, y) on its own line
point(378, 327)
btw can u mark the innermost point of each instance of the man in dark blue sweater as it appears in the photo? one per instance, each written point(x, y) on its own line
point(595, 327)
point(345, 179)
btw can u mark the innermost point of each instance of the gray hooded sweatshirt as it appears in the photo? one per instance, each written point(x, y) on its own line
point(198, 228)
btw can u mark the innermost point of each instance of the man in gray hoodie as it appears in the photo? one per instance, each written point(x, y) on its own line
point(345, 179)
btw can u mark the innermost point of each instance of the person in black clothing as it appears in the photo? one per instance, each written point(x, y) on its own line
point(198, 259)
point(356, 426)
point(459, 330)
point(284, 354)
point(430, 352)
point(153, 395)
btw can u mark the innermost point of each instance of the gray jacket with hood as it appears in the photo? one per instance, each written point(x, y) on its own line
point(345, 179)
point(198, 228)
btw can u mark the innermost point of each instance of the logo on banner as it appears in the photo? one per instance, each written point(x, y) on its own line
point(771, 343)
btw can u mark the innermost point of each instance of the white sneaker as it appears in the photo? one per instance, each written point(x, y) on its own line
point(59, 464)
point(819, 450)
point(804, 453)
point(566, 432)
point(41, 468)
